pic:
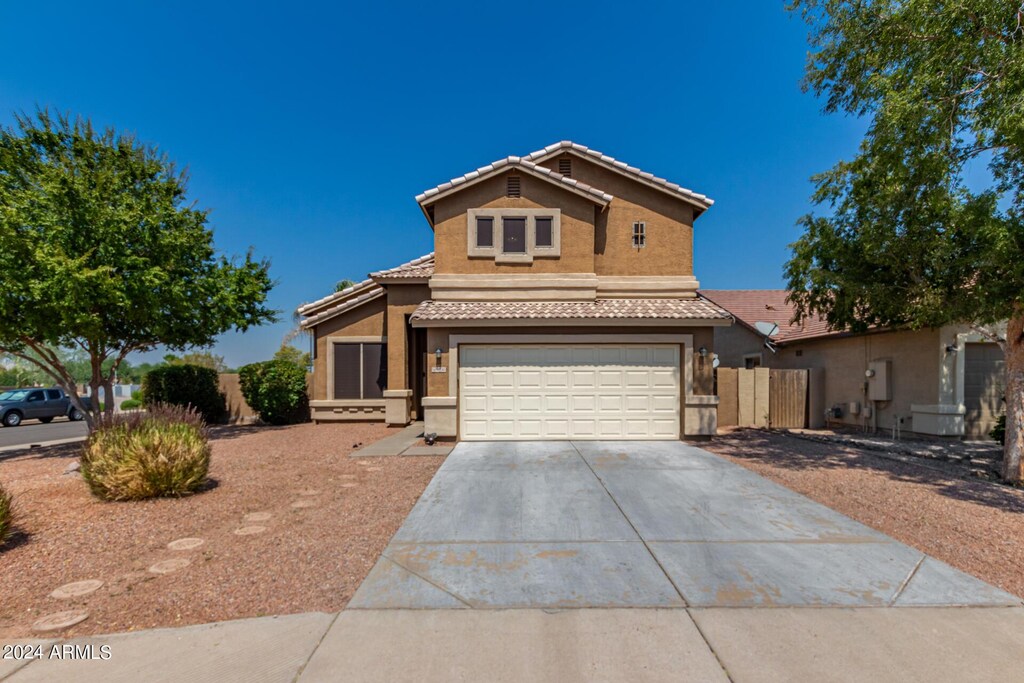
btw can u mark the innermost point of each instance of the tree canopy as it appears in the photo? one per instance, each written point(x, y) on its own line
point(102, 252)
point(906, 234)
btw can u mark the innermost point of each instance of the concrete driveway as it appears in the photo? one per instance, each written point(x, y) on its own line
point(640, 524)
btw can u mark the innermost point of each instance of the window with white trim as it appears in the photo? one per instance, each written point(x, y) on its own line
point(639, 234)
point(360, 369)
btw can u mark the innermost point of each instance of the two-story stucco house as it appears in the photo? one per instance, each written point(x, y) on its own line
point(559, 303)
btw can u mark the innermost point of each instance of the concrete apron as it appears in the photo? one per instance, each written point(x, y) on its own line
point(549, 525)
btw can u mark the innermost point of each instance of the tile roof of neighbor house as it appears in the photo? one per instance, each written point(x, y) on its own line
point(621, 167)
point(626, 309)
point(515, 162)
point(420, 268)
point(751, 306)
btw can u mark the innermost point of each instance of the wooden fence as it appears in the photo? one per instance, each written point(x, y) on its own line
point(763, 397)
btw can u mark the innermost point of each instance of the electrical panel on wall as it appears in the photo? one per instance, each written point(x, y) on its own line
point(879, 376)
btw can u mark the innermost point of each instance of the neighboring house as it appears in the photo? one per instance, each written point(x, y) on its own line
point(941, 382)
point(560, 302)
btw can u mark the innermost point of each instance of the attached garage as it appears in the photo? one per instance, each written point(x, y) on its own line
point(567, 391)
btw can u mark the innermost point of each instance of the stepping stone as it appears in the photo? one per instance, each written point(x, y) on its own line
point(374, 469)
point(169, 566)
point(304, 504)
point(76, 589)
point(309, 492)
point(250, 530)
point(60, 620)
point(257, 517)
point(185, 544)
point(347, 476)
point(349, 485)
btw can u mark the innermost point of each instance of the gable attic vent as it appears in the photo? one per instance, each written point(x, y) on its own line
point(565, 167)
point(512, 188)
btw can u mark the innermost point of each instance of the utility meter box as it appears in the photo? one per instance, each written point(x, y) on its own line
point(880, 380)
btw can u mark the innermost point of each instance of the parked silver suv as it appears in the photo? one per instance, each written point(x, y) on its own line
point(39, 404)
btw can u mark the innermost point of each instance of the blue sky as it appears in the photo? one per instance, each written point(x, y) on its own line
point(308, 128)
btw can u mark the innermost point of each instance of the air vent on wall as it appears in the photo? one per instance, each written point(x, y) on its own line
point(512, 189)
point(565, 166)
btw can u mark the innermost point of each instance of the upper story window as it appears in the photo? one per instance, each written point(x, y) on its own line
point(513, 232)
point(513, 235)
point(485, 232)
point(639, 234)
point(543, 236)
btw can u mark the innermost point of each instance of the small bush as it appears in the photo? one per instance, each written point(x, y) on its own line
point(999, 431)
point(163, 452)
point(137, 396)
point(276, 390)
point(186, 385)
point(5, 516)
point(131, 404)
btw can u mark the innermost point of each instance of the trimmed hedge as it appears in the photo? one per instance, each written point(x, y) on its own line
point(276, 390)
point(186, 385)
point(131, 404)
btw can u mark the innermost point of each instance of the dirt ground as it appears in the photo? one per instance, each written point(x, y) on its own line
point(309, 557)
point(974, 525)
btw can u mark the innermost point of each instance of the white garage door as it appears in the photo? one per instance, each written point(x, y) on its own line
point(568, 392)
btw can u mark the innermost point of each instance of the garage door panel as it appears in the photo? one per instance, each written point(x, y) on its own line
point(569, 392)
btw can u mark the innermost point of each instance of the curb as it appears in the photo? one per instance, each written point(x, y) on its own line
point(42, 444)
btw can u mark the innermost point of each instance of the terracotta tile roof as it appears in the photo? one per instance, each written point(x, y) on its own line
point(751, 306)
point(621, 167)
point(423, 267)
point(347, 293)
point(515, 162)
point(348, 304)
point(626, 309)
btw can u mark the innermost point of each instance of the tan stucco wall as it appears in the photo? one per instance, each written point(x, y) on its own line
point(367, 320)
point(402, 300)
point(736, 341)
point(577, 231)
point(669, 225)
point(915, 371)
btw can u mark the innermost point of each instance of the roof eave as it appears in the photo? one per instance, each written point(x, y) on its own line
point(571, 322)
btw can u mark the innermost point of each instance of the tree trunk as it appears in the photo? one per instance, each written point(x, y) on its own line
point(108, 399)
point(1014, 446)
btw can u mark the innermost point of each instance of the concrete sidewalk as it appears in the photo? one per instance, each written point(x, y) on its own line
point(686, 644)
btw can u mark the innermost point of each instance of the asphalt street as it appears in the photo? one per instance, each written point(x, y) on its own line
point(32, 431)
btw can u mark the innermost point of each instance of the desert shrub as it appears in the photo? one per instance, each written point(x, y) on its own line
point(163, 452)
point(998, 432)
point(276, 390)
point(131, 404)
point(5, 516)
point(186, 385)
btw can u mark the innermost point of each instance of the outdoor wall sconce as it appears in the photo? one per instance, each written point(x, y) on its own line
point(703, 351)
point(951, 348)
point(437, 356)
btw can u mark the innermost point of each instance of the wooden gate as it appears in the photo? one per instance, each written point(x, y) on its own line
point(787, 399)
point(760, 397)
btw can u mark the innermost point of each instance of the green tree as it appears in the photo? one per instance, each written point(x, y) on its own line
point(343, 284)
point(204, 359)
point(291, 354)
point(102, 252)
point(905, 242)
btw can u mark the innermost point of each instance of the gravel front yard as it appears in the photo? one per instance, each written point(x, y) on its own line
point(974, 525)
point(319, 520)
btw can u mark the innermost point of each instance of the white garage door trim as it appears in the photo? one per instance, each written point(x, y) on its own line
point(569, 391)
